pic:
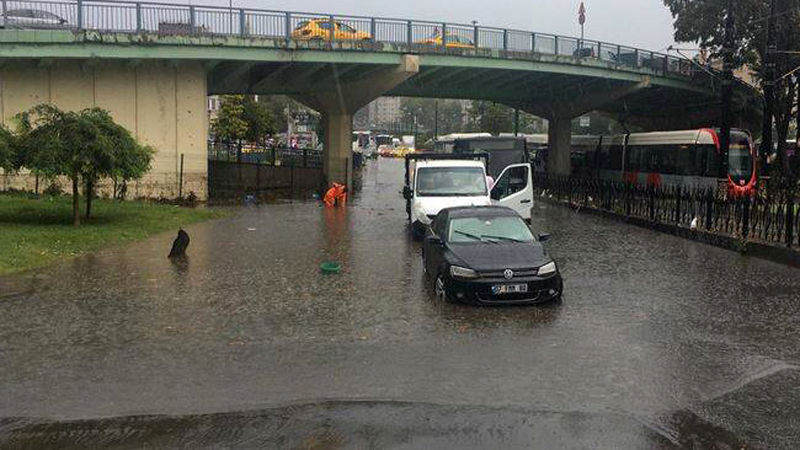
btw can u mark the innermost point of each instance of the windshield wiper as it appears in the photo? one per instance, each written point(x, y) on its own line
point(503, 238)
point(471, 236)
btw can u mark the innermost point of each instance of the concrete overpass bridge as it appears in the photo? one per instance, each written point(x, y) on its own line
point(152, 65)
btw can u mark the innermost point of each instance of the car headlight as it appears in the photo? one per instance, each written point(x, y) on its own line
point(548, 268)
point(462, 272)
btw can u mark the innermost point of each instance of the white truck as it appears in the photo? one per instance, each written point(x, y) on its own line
point(438, 181)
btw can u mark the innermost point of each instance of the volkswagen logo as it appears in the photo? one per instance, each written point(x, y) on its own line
point(508, 274)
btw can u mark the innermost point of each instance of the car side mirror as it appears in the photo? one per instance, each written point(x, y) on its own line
point(544, 237)
point(434, 241)
point(408, 193)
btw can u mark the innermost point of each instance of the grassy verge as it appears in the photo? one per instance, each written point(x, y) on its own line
point(36, 232)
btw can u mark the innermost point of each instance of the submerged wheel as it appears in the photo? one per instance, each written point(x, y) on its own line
point(439, 290)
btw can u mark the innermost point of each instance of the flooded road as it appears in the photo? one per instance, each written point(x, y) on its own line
point(660, 342)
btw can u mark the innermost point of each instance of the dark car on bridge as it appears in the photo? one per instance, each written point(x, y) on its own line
point(488, 255)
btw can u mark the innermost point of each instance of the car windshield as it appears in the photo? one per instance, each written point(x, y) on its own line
point(740, 160)
point(28, 13)
point(450, 181)
point(489, 229)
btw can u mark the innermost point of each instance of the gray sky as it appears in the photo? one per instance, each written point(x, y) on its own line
point(641, 23)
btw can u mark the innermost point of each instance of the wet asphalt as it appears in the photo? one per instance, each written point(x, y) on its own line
point(659, 343)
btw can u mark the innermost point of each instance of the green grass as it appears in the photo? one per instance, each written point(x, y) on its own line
point(35, 232)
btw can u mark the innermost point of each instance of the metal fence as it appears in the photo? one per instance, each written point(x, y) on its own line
point(272, 156)
point(772, 216)
point(164, 18)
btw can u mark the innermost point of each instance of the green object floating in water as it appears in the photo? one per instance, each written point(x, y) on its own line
point(330, 267)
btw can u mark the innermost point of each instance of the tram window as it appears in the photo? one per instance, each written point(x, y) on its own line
point(699, 160)
point(638, 160)
point(667, 160)
point(711, 164)
point(615, 157)
point(685, 161)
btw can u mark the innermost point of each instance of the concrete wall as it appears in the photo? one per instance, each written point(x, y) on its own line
point(162, 104)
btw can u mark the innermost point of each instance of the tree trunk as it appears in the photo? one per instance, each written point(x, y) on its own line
point(89, 188)
point(76, 206)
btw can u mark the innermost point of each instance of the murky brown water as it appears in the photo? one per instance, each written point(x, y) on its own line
point(655, 332)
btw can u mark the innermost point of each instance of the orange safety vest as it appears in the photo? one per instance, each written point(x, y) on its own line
point(336, 195)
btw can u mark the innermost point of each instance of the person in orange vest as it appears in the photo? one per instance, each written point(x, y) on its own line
point(336, 195)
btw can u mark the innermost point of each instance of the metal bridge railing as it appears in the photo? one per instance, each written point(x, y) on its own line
point(175, 19)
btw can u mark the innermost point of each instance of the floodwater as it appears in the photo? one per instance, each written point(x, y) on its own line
point(659, 342)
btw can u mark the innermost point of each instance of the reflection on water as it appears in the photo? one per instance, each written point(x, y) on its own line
point(247, 320)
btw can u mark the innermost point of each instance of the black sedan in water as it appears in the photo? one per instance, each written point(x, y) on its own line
point(488, 255)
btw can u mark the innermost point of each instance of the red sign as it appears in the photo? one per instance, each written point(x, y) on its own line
point(582, 14)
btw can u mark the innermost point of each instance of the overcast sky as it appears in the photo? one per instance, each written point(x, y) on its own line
point(641, 23)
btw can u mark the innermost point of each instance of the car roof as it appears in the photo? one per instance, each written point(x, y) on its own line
point(479, 211)
point(449, 163)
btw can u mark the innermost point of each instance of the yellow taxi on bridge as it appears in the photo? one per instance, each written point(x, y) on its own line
point(453, 41)
point(320, 29)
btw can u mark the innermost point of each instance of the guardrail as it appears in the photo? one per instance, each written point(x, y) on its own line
point(165, 18)
point(772, 216)
point(272, 156)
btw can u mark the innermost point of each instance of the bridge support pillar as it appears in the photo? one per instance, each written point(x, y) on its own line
point(559, 137)
point(337, 160)
point(560, 112)
point(337, 99)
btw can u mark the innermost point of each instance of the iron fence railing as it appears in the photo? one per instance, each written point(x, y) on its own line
point(772, 216)
point(273, 156)
point(165, 18)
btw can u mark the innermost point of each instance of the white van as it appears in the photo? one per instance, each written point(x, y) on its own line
point(436, 182)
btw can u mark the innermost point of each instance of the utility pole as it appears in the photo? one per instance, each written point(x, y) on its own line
point(436, 119)
point(769, 85)
point(516, 121)
point(727, 85)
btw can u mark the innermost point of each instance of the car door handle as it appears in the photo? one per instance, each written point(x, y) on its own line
point(527, 200)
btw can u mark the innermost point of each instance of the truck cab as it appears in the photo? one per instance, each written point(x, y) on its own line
point(437, 181)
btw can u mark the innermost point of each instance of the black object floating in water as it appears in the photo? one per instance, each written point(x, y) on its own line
point(180, 244)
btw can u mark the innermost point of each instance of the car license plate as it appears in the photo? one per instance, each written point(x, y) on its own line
point(510, 289)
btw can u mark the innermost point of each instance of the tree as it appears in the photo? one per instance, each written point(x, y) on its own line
point(702, 21)
point(230, 125)
point(491, 117)
point(450, 116)
point(85, 145)
point(259, 120)
point(8, 150)
point(129, 159)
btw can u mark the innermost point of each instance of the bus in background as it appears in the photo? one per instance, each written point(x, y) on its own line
point(503, 151)
point(444, 144)
point(538, 144)
point(675, 158)
point(383, 139)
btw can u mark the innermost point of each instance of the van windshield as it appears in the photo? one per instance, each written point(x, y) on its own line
point(450, 181)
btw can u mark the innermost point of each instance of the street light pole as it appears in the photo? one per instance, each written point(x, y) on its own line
point(727, 85)
point(769, 85)
point(436, 119)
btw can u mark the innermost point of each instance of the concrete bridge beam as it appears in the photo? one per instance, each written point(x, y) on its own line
point(560, 112)
point(337, 100)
